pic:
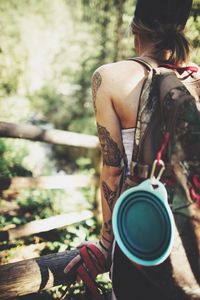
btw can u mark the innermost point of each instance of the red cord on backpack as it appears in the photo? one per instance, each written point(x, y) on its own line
point(193, 193)
point(158, 161)
point(163, 146)
point(179, 69)
point(196, 181)
point(195, 196)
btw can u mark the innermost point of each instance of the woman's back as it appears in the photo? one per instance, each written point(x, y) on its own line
point(123, 81)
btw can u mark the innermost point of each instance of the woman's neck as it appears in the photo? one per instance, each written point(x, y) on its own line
point(146, 51)
point(150, 59)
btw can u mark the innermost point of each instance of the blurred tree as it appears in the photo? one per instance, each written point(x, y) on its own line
point(193, 30)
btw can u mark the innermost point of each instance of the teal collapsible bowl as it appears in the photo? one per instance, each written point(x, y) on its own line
point(143, 223)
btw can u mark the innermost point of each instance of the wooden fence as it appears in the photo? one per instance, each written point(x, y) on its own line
point(33, 275)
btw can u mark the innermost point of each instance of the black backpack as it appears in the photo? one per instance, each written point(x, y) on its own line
point(167, 139)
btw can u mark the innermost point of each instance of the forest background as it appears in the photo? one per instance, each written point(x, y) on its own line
point(49, 50)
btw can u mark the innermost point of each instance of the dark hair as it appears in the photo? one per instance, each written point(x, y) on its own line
point(163, 11)
point(168, 38)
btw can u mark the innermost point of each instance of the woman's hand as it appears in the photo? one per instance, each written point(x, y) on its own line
point(77, 260)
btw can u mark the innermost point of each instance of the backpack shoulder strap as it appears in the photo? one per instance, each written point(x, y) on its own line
point(143, 113)
point(142, 62)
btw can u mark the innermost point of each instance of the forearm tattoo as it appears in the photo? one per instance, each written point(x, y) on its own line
point(96, 82)
point(105, 239)
point(110, 150)
point(108, 227)
point(109, 195)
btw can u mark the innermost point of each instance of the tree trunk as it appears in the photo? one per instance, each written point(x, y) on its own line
point(118, 30)
point(104, 22)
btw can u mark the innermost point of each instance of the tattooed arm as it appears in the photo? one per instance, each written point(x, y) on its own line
point(109, 133)
point(108, 128)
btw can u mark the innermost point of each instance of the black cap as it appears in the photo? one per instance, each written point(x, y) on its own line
point(163, 11)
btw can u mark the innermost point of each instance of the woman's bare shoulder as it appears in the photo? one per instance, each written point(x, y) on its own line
point(109, 67)
point(118, 70)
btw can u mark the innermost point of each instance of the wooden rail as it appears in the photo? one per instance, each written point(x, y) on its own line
point(43, 225)
point(47, 182)
point(37, 274)
point(53, 136)
point(34, 275)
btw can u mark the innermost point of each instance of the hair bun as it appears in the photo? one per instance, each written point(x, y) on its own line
point(165, 12)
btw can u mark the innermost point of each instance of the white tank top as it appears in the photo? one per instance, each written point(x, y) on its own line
point(128, 139)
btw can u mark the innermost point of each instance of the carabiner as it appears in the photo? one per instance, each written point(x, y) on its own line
point(159, 163)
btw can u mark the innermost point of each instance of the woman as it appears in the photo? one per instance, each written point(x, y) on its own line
point(158, 28)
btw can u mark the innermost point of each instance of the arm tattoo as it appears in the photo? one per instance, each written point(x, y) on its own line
point(108, 227)
point(105, 239)
point(110, 150)
point(96, 82)
point(108, 194)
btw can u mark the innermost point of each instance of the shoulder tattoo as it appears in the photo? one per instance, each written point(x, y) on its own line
point(96, 82)
point(110, 150)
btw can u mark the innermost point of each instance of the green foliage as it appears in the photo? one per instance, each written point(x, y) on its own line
point(51, 49)
point(3, 222)
point(36, 204)
point(11, 160)
point(193, 29)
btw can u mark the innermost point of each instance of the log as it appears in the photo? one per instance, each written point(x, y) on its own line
point(43, 225)
point(47, 182)
point(34, 275)
point(53, 136)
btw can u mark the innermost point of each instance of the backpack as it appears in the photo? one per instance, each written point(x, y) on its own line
point(167, 139)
